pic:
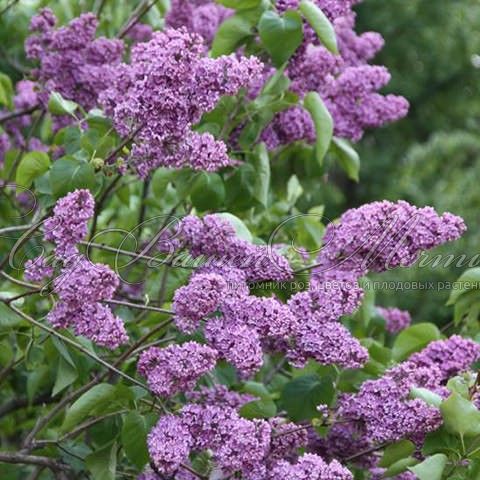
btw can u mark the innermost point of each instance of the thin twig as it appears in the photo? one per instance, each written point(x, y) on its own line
point(135, 18)
point(77, 346)
point(16, 458)
point(18, 113)
point(140, 307)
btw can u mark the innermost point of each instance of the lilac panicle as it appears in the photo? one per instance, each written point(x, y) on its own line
point(167, 87)
point(68, 225)
point(38, 269)
point(396, 319)
point(176, 368)
point(220, 396)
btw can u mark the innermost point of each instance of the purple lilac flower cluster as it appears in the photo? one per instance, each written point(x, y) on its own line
point(383, 411)
point(81, 285)
point(346, 82)
point(71, 60)
point(220, 396)
point(257, 449)
point(396, 319)
point(176, 368)
point(164, 90)
point(199, 16)
point(215, 238)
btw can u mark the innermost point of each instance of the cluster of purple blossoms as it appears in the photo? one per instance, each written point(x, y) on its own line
point(176, 368)
point(346, 82)
point(395, 319)
point(81, 285)
point(72, 61)
point(383, 411)
point(215, 238)
point(38, 269)
point(219, 396)
point(199, 16)
point(165, 89)
point(382, 235)
point(69, 224)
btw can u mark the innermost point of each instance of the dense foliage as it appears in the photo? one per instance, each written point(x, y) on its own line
point(188, 277)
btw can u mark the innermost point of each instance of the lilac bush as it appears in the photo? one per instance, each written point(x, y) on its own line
point(173, 309)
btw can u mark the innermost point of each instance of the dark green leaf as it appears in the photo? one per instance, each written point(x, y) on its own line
point(68, 174)
point(98, 395)
point(301, 396)
point(240, 188)
point(102, 464)
point(348, 158)
point(281, 36)
point(395, 452)
point(469, 280)
point(208, 192)
point(134, 439)
point(66, 375)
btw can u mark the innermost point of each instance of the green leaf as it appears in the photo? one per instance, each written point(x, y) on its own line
point(413, 339)
point(348, 158)
point(259, 409)
point(240, 4)
point(208, 192)
point(8, 318)
point(231, 33)
point(281, 36)
point(240, 228)
point(460, 416)
point(431, 468)
point(427, 396)
point(301, 396)
point(440, 441)
point(134, 439)
point(469, 280)
point(400, 466)
point(66, 375)
point(320, 23)
point(102, 464)
point(294, 190)
point(323, 123)
point(6, 91)
point(262, 167)
point(256, 389)
point(60, 106)
point(240, 188)
point(395, 452)
point(68, 174)
point(95, 397)
point(32, 166)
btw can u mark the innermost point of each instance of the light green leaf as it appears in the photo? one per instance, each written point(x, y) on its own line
point(68, 174)
point(102, 464)
point(294, 190)
point(400, 466)
point(256, 389)
point(240, 4)
point(231, 33)
point(241, 229)
point(281, 35)
point(395, 452)
point(431, 398)
point(262, 167)
point(60, 106)
point(413, 339)
point(431, 468)
point(259, 409)
point(32, 166)
point(81, 408)
point(134, 439)
point(469, 280)
point(323, 123)
point(348, 158)
point(6, 91)
point(321, 24)
point(460, 416)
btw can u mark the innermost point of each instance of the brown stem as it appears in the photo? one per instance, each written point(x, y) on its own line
point(135, 18)
point(18, 113)
point(140, 307)
point(16, 458)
